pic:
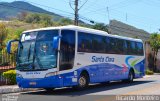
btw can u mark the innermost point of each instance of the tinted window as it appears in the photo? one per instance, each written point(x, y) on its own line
point(129, 49)
point(120, 46)
point(67, 49)
point(112, 45)
point(133, 47)
point(102, 44)
point(140, 48)
point(98, 44)
point(91, 43)
point(84, 42)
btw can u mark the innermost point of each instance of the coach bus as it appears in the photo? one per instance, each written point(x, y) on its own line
point(72, 56)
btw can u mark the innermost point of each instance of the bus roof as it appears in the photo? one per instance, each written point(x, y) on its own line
point(84, 29)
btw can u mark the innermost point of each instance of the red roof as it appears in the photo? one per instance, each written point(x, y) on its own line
point(6, 67)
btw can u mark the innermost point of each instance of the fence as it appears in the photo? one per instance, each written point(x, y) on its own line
point(7, 62)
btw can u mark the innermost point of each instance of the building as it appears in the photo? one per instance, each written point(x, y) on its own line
point(122, 29)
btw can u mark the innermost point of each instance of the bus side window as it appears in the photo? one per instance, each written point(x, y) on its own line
point(140, 49)
point(129, 49)
point(98, 44)
point(84, 42)
point(133, 48)
point(120, 46)
point(112, 45)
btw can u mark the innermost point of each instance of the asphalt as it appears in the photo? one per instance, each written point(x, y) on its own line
point(149, 85)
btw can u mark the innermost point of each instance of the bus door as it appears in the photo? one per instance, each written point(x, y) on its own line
point(67, 54)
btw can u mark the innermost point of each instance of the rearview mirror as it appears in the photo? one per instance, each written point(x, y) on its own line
point(56, 41)
point(12, 46)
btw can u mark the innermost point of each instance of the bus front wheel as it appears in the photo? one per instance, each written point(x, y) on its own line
point(83, 81)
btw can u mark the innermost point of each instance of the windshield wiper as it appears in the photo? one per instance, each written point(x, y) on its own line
point(29, 52)
point(37, 58)
point(23, 66)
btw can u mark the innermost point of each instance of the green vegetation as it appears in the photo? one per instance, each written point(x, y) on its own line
point(100, 26)
point(149, 72)
point(65, 21)
point(155, 45)
point(43, 19)
point(11, 76)
point(6, 34)
point(25, 21)
point(12, 9)
point(3, 35)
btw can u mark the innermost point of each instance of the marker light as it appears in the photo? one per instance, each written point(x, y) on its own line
point(51, 74)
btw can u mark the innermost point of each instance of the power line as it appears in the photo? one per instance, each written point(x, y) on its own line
point(31, 10)
point(76, 9)
point(126, 16)
point(113, 26)
point(114, 5)
point(48, 7)
point(83, 4)
point(84, 18)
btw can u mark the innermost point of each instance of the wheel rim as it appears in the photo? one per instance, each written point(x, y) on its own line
point(82, 81)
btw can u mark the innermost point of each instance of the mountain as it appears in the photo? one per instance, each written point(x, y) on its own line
point(10, 10)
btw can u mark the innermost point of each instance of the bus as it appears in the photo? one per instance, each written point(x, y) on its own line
point(73, 56)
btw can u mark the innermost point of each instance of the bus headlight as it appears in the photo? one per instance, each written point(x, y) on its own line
point(19, 75)
point(51, 74)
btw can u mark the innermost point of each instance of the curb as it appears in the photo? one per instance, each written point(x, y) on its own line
point(13, 89)
point(147, 76)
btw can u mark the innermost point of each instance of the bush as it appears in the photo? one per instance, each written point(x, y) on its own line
point(149, 72)
point(11, 76)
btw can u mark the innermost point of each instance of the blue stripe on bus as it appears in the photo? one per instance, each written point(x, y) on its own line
point(97, 73)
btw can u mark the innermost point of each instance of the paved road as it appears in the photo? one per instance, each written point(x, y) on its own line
point(144, 86)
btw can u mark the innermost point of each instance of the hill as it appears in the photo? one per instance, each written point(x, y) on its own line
point(11, 10)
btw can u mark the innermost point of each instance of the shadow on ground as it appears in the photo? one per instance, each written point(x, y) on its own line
point(91, 89)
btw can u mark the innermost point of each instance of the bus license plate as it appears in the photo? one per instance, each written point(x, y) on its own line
point(32, 83)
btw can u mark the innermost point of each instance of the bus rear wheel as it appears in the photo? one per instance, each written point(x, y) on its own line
point(130, 77)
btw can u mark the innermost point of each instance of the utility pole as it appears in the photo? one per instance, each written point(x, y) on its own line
point(108, 20)
point(76, 9)
point(108, 14)
point(76, 13)
point(126, 17)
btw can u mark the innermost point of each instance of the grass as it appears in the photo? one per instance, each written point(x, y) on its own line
point(149, 72)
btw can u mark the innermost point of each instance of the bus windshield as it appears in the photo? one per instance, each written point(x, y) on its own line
point(36, 51)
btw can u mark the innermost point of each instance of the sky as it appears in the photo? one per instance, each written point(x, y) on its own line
point(143, 14)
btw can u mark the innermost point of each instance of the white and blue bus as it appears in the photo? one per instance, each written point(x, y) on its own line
point(72, 56)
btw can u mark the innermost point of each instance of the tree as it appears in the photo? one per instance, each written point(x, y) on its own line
point(46, 20)
point(32, 18)
point(100, 26)
point(155, 45)
point(65, 21)
point(22, 15)
point(3, 35)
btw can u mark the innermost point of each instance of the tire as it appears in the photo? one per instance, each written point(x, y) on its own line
point(130, 76)
point(83, 81)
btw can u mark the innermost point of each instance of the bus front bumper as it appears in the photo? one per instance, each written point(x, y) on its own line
point(48, 82)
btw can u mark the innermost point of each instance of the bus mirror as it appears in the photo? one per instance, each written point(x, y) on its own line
point(56, 41)
point(10, 44)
